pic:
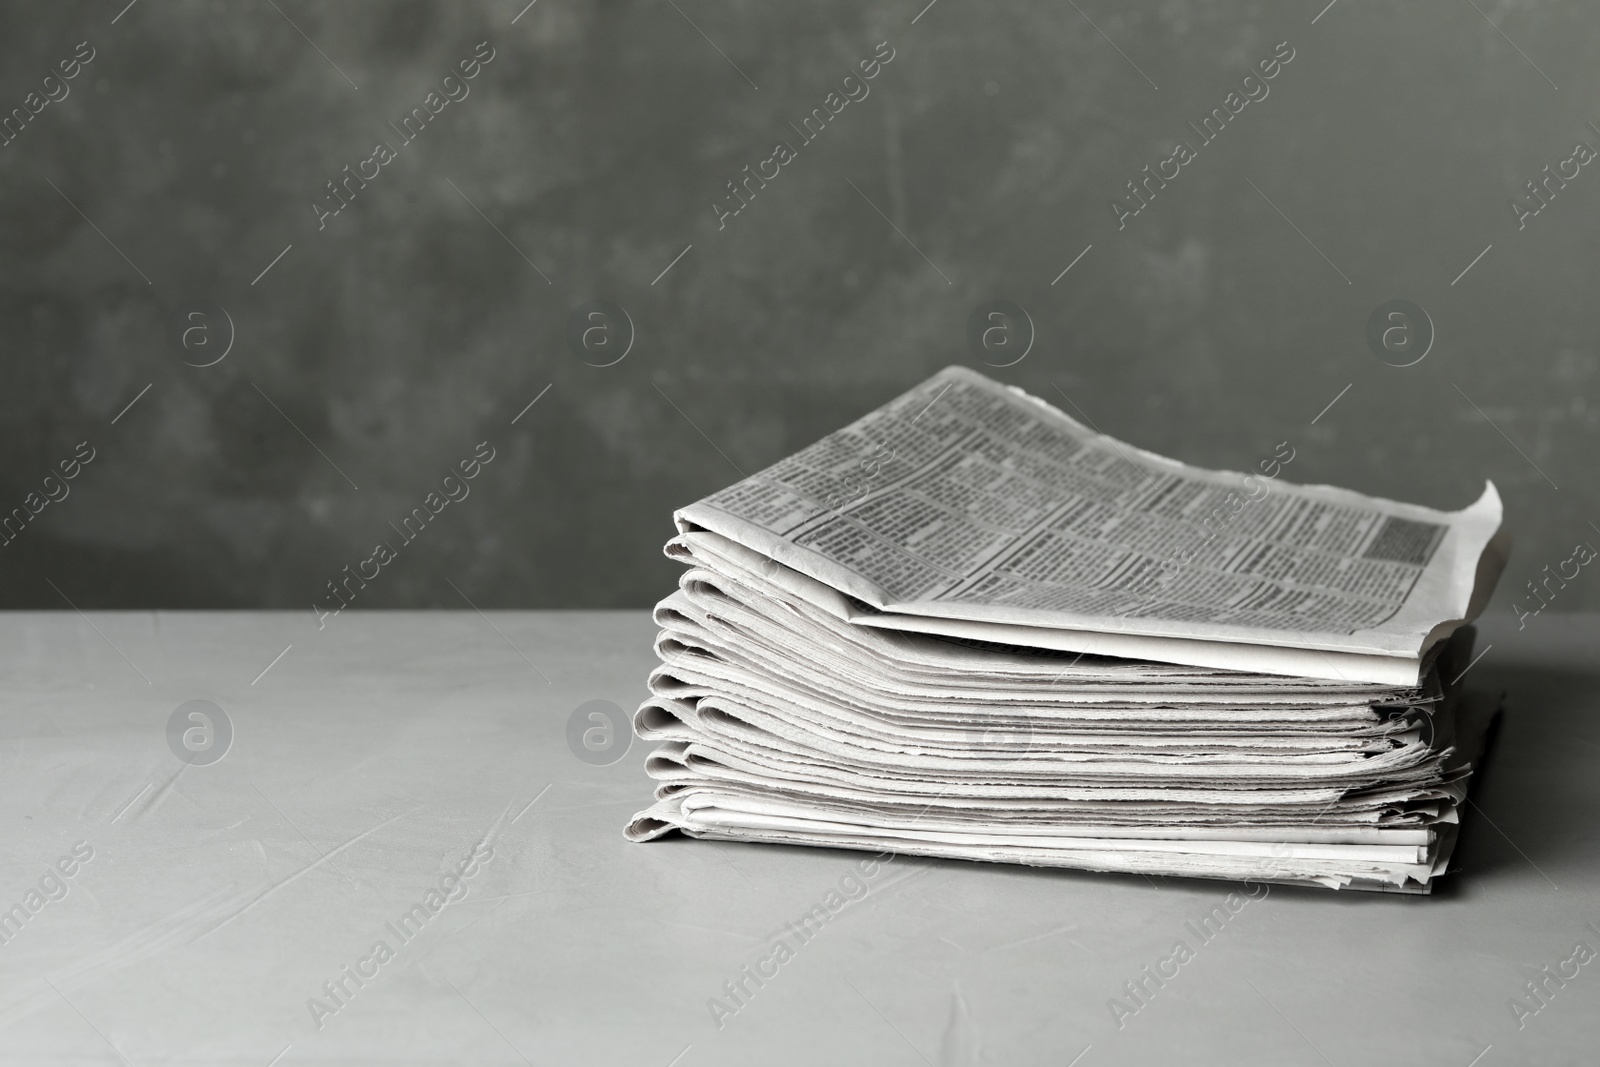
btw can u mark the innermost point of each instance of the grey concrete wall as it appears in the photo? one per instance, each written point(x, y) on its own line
point(395, 336)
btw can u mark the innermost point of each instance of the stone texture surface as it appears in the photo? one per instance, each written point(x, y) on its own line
point(419, 321)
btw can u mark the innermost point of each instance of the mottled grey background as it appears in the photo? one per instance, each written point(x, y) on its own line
point(597, 140)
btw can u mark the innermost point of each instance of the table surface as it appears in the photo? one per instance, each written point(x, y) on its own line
point(374, 755)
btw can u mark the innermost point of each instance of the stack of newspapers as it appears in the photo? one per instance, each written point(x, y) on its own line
point(968, 626)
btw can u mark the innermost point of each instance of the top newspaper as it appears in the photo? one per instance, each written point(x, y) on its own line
point(971, 509)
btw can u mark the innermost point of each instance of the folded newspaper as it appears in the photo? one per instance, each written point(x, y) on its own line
point(967, 626)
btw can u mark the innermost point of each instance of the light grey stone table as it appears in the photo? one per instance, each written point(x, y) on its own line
point(230, 912)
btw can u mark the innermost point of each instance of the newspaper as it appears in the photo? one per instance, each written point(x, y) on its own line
point(966, 626)
point(970, 509)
